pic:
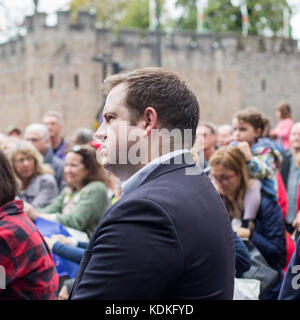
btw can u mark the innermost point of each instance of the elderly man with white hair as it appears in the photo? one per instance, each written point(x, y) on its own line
point(290, 172)
point(38, 135)
point(224, 135)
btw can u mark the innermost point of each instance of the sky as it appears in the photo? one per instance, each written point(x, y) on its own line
point(15, 10)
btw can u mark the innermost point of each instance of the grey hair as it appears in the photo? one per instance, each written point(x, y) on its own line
point(55, 114)
point(84, 135)
point(41, 128)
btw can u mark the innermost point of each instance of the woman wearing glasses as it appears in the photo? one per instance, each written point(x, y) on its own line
point(83, 202)
point(38, 185)
point(230, 176)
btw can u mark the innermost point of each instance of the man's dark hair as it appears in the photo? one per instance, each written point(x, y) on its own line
point(84, 135)
point(9, 186)
point(175, 103)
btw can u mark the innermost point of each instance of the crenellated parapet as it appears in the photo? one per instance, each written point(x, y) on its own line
point(13, 48)
point(131, 40)
point(36, 22)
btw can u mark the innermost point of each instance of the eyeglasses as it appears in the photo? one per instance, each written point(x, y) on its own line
point(222, 178)
point(22, 160)
point(33, 139)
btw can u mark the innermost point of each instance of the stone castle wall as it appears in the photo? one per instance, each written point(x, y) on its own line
point(53, 68)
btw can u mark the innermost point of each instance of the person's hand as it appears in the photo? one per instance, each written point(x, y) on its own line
point(242, 232)
point(50, 242)
point(63, 239)
point(296, 222)
point(63, 293)
point(245, 148)
point(30, 211)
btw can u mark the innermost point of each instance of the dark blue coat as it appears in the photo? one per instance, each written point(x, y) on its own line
point(170, 238)
point(73, 254)
point(242, 256)
point(290, 289)
point(269, 238)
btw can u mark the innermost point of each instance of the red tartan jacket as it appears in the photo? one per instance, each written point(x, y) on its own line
point(29, 266)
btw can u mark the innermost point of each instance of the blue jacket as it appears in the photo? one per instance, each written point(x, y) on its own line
point(242, 257)
point(170, 238)
point(73, 254)
point(57, 165)
point(269, 238)
point(290, 289)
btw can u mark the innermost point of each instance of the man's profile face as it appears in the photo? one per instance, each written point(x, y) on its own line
point(36, 139)
point(114, 130)
point(295, 137)
point(53, 126)
point(205, 139)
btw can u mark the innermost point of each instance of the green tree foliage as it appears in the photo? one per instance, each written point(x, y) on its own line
point(265, 17)
point(117, 14)
point(137, 15)
point(109, 12)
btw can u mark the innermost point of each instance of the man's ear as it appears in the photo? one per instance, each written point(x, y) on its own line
point(149, 120)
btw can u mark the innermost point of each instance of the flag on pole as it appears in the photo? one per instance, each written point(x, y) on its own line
point(245, 18)
point(200, 15)
point(152, 15)
point(286, 23)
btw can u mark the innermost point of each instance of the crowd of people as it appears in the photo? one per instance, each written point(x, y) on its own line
point(254, 168)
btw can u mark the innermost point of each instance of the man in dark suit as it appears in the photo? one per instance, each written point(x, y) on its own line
point(169, 236)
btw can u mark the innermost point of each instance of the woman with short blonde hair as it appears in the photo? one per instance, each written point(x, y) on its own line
point(38, 185)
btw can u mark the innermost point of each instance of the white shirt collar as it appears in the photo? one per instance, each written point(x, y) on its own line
point(137, 179)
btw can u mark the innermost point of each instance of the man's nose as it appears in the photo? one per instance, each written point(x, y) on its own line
point(100, 134)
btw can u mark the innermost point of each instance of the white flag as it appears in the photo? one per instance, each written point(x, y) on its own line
point(286, 23)
point(200, 15)
point(245, 19)
point(152, 15)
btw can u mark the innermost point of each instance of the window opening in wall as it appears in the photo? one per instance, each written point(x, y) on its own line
point(76, 81)
point(51, 81)
point(263, 85)
point(219, 85)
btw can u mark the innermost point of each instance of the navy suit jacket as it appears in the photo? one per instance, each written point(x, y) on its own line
point(170, 238)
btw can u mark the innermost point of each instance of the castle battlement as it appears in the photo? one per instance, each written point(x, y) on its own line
point(61, 67)
point(183, 41)
point(13, 48)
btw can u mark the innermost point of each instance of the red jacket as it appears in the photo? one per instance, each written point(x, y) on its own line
point(282, 194)
point(298, 197)
point(29, 266)
point(283, 202)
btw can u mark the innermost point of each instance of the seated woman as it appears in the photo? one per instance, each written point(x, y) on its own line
point(230, 174)
point(83, 202)
point(29, 267)
point(39, 187)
